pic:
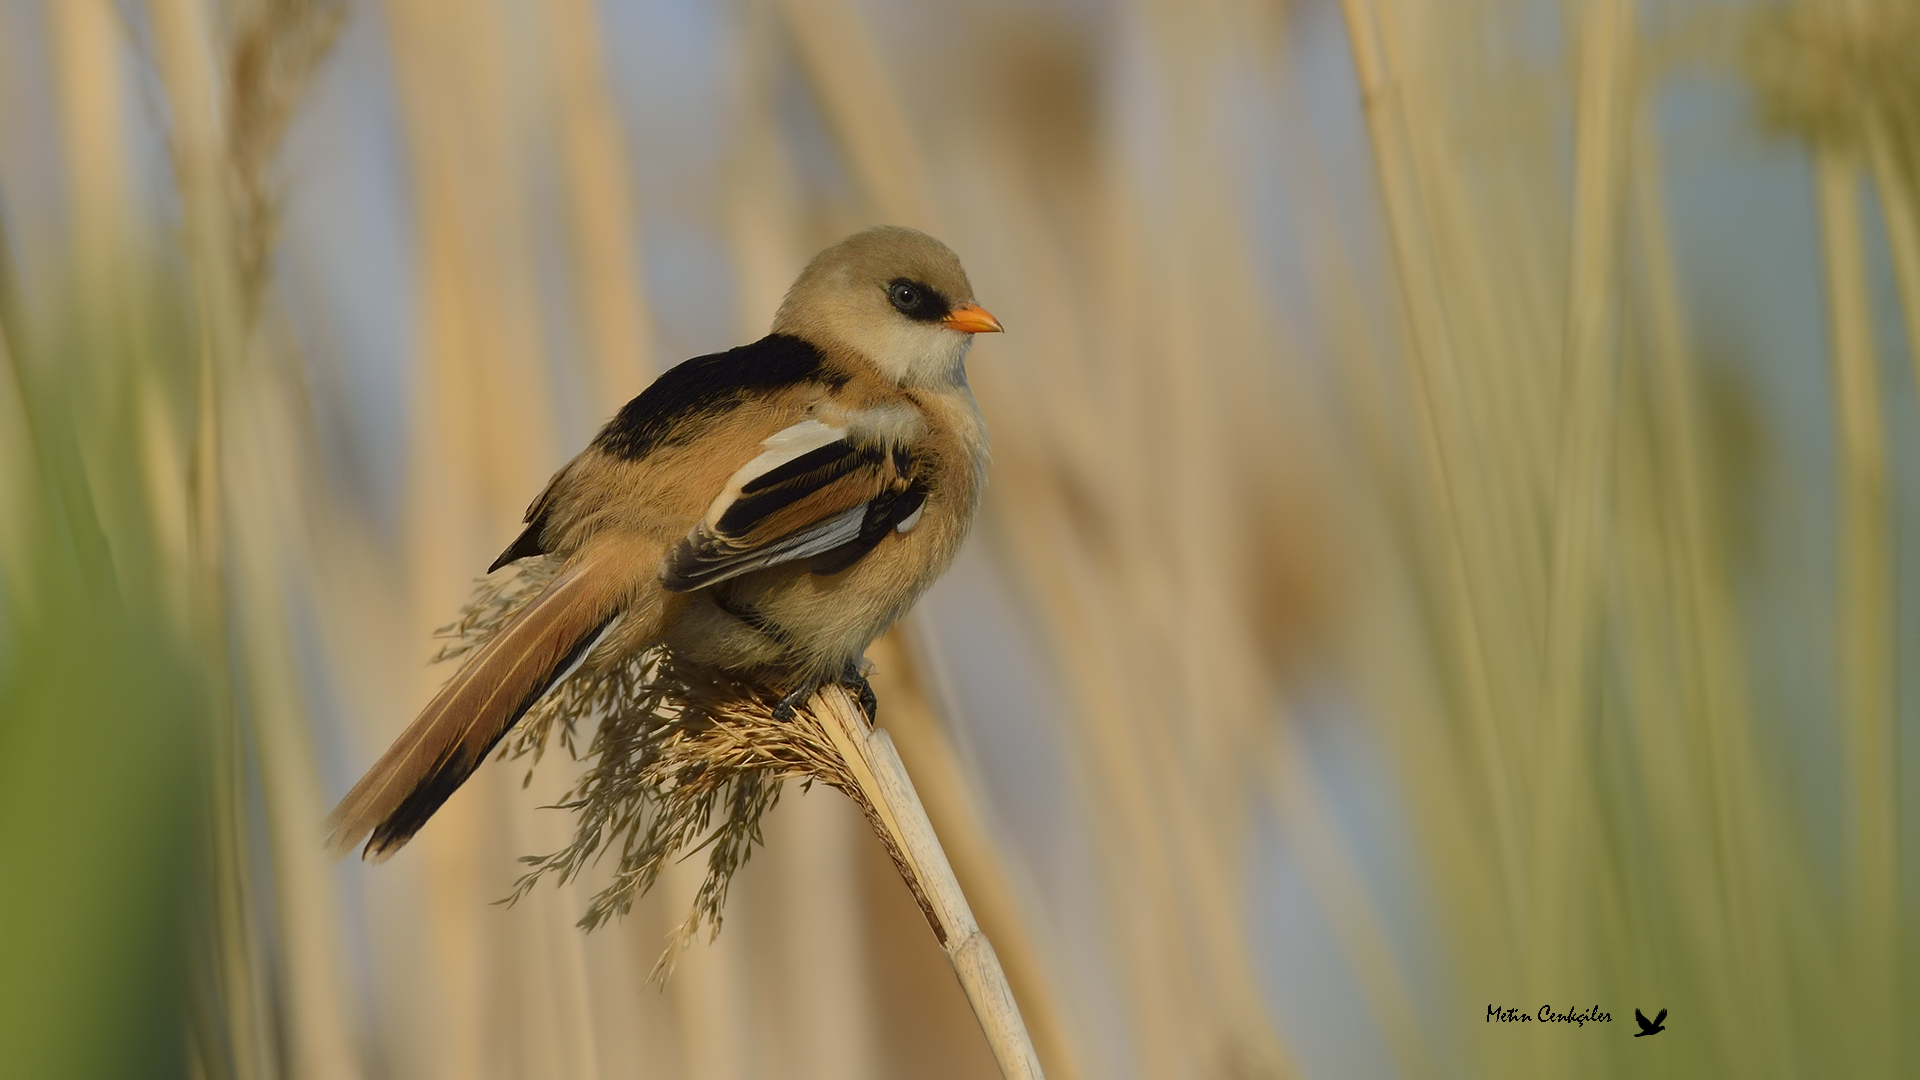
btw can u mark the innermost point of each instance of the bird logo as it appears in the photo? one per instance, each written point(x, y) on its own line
point(1650, 1027)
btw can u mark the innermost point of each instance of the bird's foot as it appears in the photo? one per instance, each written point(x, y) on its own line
point(783, 709)
point(855, 680)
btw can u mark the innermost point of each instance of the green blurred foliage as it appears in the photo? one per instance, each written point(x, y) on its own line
point(103, 746)
point(100, 835)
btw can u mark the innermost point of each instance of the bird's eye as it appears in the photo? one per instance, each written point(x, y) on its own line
point(917, 300)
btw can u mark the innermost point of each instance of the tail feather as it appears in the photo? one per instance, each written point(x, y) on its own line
point(481, 703)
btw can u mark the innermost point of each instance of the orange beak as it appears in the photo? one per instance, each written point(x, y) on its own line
point(972, 319)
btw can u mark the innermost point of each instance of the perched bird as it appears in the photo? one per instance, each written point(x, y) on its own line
point(767, 511)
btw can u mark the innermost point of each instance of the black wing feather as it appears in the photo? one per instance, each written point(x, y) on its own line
point(885, 512)
point(527, 543)
point(531, 540)
point(758, 501)
point(710, 385)
point(818, 458)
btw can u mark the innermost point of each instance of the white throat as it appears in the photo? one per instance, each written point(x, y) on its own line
point(913, 354)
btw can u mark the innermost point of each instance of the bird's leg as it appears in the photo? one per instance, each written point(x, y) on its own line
point(784, 708)
point(856, 680)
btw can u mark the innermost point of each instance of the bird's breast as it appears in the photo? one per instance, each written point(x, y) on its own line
point(804, 625)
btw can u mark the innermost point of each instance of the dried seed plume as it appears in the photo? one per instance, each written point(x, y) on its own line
point(679, 758)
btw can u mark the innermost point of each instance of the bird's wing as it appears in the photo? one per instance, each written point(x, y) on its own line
point(811, 494)
point(670, 410)
point(1660, 1019)
point(1642, 1017)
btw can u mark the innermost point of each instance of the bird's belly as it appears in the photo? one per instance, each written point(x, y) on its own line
point(788, 626)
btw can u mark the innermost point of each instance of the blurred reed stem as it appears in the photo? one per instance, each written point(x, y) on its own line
point(19, 484)
point(1581, 494)
point(230, 100)
point(602, 219)
point(1383, 95)
point(86, 42)
point(503, 993)
point(1206, 690)
point(843, 64)
point(272, 51)
point(1865, 616)
point(1895, 178)
point(236, 1036)
point(1358, 923)
point(1711, 652)
point(610, 298)
point(1650, 815)
point(20, 469)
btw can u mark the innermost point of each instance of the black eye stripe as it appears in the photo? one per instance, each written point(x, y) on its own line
point(917, 300)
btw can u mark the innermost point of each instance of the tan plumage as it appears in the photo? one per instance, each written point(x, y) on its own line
point(768, 511)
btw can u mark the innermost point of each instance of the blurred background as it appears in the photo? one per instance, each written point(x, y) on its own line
point(1451, 543)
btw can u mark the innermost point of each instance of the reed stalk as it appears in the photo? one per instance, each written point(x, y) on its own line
point(900, 818)
point(313, 1013)
point(483, 438)
point(232, 99)
point(20, 468)
point(93, 130)
point(1357, 921)
point(602, 217)
point(1210, 691)
point(1581, 487)
point(1383, 95)
point(961, 823)
point(1712, 658)
point(1865, 615)
point(869, 120)
point(235, 1036)
point(273, 50)
point(1898, 185)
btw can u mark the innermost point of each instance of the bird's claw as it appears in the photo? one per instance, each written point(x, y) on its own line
point(856, 680)
point(784, 709)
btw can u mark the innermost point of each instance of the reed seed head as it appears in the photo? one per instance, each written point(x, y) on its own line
point(679, 758)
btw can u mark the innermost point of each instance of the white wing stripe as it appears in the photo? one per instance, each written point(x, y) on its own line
point(781, 447)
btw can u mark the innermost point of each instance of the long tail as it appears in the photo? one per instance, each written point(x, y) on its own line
point(489, 694)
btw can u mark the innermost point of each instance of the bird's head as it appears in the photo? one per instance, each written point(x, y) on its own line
point(897, 297)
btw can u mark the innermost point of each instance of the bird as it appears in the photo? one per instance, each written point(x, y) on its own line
point(1650, 1027)
point(767, 511)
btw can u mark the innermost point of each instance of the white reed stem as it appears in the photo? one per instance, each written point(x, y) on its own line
point(895, 809)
